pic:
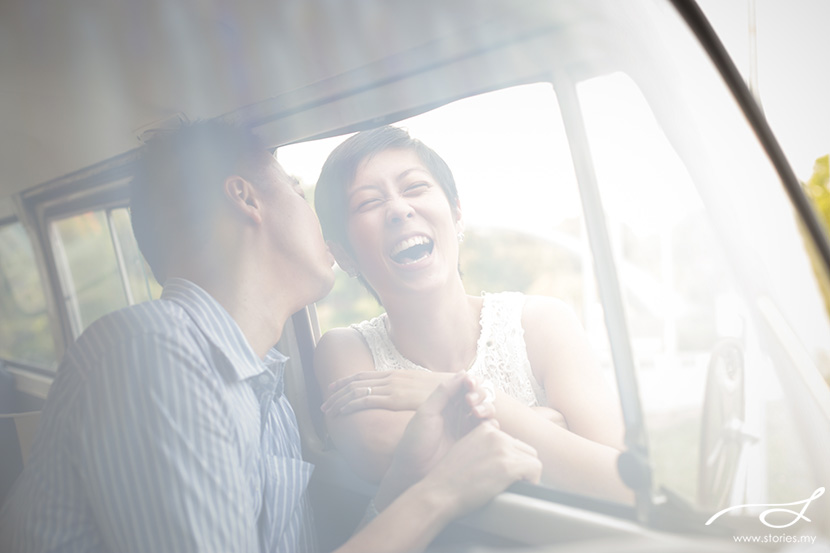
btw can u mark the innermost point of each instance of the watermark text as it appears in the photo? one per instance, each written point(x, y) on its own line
point(776, 508)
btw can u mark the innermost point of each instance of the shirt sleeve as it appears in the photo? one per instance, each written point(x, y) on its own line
point(161, 461)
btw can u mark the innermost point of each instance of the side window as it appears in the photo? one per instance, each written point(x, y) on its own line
point(524, 227)
point(100, 266)
point(141, 284)
point(523, 219)
point(25, 335)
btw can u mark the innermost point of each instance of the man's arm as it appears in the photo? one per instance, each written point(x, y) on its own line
point(160, 460)
point(482, 463)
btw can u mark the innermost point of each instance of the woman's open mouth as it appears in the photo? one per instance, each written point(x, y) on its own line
point(411, 250)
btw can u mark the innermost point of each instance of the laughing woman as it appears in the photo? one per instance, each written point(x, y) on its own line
point(390, 211)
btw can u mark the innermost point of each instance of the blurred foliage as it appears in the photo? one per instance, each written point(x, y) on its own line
point(25, 334)
point(91, 265)
point(84, 248)
point(817, 188)
point(491, 260)
point(494, 260)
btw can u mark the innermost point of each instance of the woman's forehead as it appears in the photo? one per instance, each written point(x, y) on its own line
point(393, 163)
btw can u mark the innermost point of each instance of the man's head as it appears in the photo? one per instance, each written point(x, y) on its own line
point(177, 187)
point(212, 191)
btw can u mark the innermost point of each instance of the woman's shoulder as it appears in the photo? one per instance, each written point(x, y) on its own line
point(341, 352)
point(375, 324)
point(534, 309)
point(547, 306)
point(545, 318)
point(340, 339)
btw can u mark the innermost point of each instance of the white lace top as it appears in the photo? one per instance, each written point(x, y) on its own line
point(501, 353)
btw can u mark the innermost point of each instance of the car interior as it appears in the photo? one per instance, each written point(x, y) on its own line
point(87, 82)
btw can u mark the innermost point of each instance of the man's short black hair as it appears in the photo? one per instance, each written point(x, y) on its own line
point(177, 185)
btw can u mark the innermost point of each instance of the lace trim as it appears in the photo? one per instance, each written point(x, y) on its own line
point(501, 353)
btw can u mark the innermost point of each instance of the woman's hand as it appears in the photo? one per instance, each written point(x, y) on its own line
point(399, 390)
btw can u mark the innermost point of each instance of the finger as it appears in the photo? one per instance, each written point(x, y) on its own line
point(525, 448)
point(354, 392)
point(444, 394)
point(481, 431)
point(367, 402)
point(531, 469)
point(356, 377)
point(528, 468)
point(484, 411)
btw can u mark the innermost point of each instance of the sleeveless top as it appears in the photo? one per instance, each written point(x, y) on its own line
point(501, 353)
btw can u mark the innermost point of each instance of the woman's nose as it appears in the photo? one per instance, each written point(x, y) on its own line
point(397, 210)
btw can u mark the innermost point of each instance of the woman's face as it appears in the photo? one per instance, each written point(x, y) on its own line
point(403, 231)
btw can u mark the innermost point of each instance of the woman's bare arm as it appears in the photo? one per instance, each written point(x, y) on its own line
point(563, 361)
point(581, 458)
point(366, 437)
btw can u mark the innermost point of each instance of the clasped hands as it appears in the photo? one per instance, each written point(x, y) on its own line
point(453, 445)
point(397, 390)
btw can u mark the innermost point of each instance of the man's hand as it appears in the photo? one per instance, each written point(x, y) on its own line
point(450, 421)
point(481, 465)
point(453, 440)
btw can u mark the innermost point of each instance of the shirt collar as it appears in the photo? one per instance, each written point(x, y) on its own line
point(222, 330)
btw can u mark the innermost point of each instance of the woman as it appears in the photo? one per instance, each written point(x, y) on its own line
point(390, 211)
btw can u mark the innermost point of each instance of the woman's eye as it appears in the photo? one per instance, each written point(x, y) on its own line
point(366, 204)
point(416, 187)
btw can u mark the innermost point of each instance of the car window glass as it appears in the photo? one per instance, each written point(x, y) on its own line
point(89, 269)
point(100, 265)
point(142, 285)
point(720, 430)
point(25, 334)
point(523, 221)
point(523, 228)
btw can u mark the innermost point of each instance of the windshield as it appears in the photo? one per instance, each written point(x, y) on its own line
point(722, 306)
point(725, 312)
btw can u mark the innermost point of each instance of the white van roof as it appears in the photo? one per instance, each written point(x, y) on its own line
point(79, 78)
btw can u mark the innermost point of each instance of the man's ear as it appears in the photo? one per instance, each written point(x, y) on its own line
point(243, 198)
point(343, 258)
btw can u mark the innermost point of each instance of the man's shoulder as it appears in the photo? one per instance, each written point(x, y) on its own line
point(156, 320)
point(153, 317)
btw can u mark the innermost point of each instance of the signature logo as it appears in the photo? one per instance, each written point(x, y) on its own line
point(776, 508)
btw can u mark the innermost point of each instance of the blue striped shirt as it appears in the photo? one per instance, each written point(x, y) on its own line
point(164, 432)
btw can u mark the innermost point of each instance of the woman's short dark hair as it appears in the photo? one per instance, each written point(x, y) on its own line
point(340, 169)
point(177, 185)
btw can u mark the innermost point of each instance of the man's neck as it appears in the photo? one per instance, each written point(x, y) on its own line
point(258, 309)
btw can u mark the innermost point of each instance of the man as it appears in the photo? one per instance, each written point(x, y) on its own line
point(166, 428)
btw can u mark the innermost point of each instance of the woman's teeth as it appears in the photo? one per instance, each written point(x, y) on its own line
point(411, 250)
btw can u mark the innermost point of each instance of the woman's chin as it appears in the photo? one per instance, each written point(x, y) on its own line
point(416, 282)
